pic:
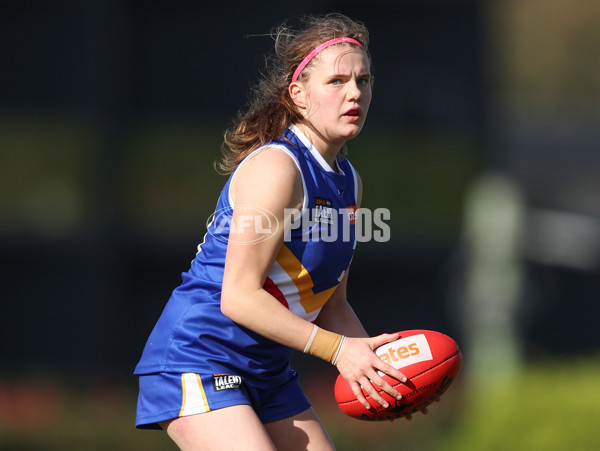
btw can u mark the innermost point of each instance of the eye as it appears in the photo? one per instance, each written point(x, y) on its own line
point(363, 81)
point(335, 81)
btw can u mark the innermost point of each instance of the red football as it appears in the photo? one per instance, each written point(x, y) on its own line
point(430, 360)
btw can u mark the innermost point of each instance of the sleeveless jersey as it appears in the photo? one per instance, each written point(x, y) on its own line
point(192, 335)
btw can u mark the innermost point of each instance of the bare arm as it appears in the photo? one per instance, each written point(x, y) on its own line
point(269, 181)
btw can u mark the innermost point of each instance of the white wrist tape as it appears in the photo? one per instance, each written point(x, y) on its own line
point(337, 354)
point(311, 339)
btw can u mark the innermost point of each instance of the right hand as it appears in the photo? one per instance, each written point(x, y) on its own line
point(359, 365)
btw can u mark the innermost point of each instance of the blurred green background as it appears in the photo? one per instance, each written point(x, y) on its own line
point(482, 140)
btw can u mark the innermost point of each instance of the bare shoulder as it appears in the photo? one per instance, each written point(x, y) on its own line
point(269, 171)
point(270, 159)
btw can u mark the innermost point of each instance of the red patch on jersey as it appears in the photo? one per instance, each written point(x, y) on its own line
point(272, 289)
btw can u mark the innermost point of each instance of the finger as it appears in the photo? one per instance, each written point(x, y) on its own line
point(374, 393)
point(391, 371)
point(398, 375)
point(408, 417)
point(386, 387)
point(425, 410)
point(382, 339)
point(357, 390)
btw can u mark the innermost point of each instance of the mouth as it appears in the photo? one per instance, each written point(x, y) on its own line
point(353, 114)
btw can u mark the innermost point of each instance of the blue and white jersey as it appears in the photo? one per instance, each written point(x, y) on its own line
point(192, 335)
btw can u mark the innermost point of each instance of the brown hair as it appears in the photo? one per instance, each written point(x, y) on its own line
point(270, 109)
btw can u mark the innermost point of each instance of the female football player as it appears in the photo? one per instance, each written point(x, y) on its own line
point(271, 274)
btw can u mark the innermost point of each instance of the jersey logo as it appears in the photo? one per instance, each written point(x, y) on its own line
point(226, 381)
point(323, 202)
point(323, 212)
point(351, 212)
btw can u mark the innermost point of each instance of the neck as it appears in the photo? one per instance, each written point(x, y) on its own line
point(328, 150)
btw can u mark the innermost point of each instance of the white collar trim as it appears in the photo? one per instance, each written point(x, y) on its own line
point(313, 150)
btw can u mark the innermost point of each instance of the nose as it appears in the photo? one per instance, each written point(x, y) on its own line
point(353, 90)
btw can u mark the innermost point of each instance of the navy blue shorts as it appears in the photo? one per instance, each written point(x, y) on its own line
point(165, 396)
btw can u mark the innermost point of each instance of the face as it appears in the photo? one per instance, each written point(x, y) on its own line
point(336, 97)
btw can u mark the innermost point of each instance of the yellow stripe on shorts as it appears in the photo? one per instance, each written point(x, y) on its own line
point(194, 399)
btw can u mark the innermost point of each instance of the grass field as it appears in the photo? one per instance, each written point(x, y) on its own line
point(547, 406)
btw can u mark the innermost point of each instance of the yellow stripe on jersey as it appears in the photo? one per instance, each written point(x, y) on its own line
point(301, 278)
point(317, 300)
point(295, 270)
point(194, 398)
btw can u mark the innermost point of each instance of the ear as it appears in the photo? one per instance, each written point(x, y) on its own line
point(298, 94)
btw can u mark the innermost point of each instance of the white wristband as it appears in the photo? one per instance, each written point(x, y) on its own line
point(311, 338)
point(337, 354)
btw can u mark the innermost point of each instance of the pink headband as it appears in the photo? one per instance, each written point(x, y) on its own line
point(320, 48)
